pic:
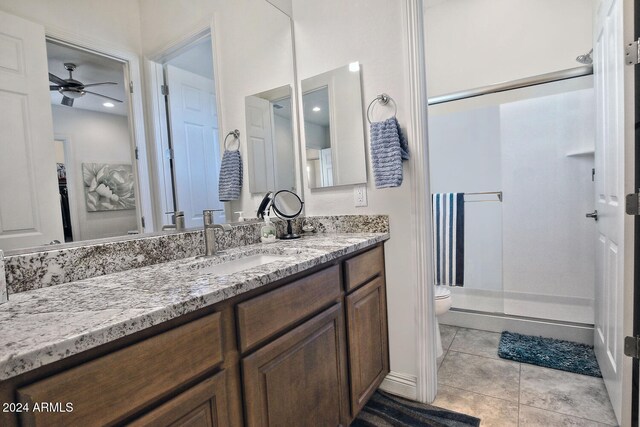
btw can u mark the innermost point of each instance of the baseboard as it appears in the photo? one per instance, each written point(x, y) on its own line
point(577, 332)
point(403, 385)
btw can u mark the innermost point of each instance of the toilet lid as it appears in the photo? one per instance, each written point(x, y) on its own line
point(442, 292)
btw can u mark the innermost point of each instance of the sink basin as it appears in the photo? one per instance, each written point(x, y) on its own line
point(242, 264)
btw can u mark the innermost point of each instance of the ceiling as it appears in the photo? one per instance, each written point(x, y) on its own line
point(91, 68)
point(317, 98)
point(197, 59)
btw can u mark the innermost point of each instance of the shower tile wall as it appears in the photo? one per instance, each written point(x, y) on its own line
point(531, 255)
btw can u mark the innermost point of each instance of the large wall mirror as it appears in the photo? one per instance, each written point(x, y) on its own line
point(90, 152)
point(334, 128)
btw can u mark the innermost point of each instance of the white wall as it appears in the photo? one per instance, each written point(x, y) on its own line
point(252, 42)
point(93, 137)
point(473, 43)
point(114, 23)
point(316, 136)
point(330, 34)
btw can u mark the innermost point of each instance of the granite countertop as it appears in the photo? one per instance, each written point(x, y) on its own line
point(44, 325)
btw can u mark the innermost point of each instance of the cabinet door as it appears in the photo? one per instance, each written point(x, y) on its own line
point(300, 378)
point(368, 341)
point(204, 405)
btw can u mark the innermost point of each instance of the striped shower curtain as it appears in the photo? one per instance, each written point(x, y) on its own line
point(448, 238)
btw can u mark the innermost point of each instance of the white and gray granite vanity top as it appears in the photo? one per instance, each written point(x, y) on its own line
point(41, 326)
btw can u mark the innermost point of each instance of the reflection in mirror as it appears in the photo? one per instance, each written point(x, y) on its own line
point(104, 168)
point(334, 128)
point(270, 147)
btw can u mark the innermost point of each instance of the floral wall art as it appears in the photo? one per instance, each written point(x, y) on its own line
point(108, 187)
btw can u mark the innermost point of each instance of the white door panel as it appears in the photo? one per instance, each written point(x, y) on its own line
point(29, 199)
point(609, 81)
point(194, 135)
point(260, 145)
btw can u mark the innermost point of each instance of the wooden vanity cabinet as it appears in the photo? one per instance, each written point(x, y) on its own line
point(301, 377)
point(367, 341)
point(309, 350)
point(204, 405)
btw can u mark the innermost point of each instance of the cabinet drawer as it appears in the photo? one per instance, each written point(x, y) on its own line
point(112, 387)
point(265, 315)
point(362, 268)
point(202, 405)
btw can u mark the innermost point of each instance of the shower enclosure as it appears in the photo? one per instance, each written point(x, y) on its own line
point(524, 158)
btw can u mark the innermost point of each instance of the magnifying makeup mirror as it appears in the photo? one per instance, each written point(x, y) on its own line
point(287, 206)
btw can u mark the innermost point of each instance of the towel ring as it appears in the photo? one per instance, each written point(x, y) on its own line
point(236, 136)
point(384, 100)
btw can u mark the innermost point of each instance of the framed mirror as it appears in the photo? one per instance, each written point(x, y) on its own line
point(98, 154)
point(334, 128)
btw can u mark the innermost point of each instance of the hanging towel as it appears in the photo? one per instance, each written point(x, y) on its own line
point(230, 182)
point(388, 149)
point(448, 238)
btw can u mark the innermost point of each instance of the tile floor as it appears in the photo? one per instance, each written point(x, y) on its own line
point(472, 379)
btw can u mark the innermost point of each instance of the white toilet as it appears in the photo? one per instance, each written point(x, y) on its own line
point(443, 304)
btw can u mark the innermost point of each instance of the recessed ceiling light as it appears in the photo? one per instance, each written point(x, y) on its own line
point(354, 67)
point(316, 109)
point(108, 104)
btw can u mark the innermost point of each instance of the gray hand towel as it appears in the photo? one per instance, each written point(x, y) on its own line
point(230, 182)
point(388, 149)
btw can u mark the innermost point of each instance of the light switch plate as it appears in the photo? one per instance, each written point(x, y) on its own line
point(360, 196)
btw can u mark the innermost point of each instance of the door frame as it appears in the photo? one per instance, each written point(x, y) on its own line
point(132, 78)
point(426, 330)
point(157, 113)
point(69, 159)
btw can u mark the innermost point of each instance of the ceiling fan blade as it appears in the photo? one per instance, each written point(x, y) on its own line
point(54, 87)
point(67, 101)
point(98, 84)
point(57, 80)
point(103, 96)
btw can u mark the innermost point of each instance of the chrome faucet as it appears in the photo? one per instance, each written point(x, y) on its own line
point(177, 219)
point(210, 243)
point(4, 296)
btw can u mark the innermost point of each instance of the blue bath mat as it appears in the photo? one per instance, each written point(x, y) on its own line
point(550, 353)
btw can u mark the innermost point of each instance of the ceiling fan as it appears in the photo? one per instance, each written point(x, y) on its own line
point(72, 89)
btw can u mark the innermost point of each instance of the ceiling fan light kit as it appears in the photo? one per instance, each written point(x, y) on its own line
point(71, 89)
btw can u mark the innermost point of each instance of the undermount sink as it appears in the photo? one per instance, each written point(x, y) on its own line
point(242, 264)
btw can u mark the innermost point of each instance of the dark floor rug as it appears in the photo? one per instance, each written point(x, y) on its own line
point(550, 353)
point(385, 410)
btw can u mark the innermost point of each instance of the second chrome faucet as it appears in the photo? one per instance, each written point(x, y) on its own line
point(210, 242)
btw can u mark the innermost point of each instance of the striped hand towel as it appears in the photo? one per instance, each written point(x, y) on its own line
point(388, 149)
point(230, 182)
point(448, 238)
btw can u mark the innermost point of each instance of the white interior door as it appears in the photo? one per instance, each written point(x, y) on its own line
point(609, 78)
point(326, 165)
point(260, 144)
point(194, 135)
point(29, 200)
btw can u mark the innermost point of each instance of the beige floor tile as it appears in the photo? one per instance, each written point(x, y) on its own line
point(473, 341)
point(535, 417)
point(492, 412)
point(491, 377)
point(566, 393)
point(447, 333)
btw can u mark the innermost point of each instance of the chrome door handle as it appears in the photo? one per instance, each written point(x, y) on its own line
point(593, 215)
